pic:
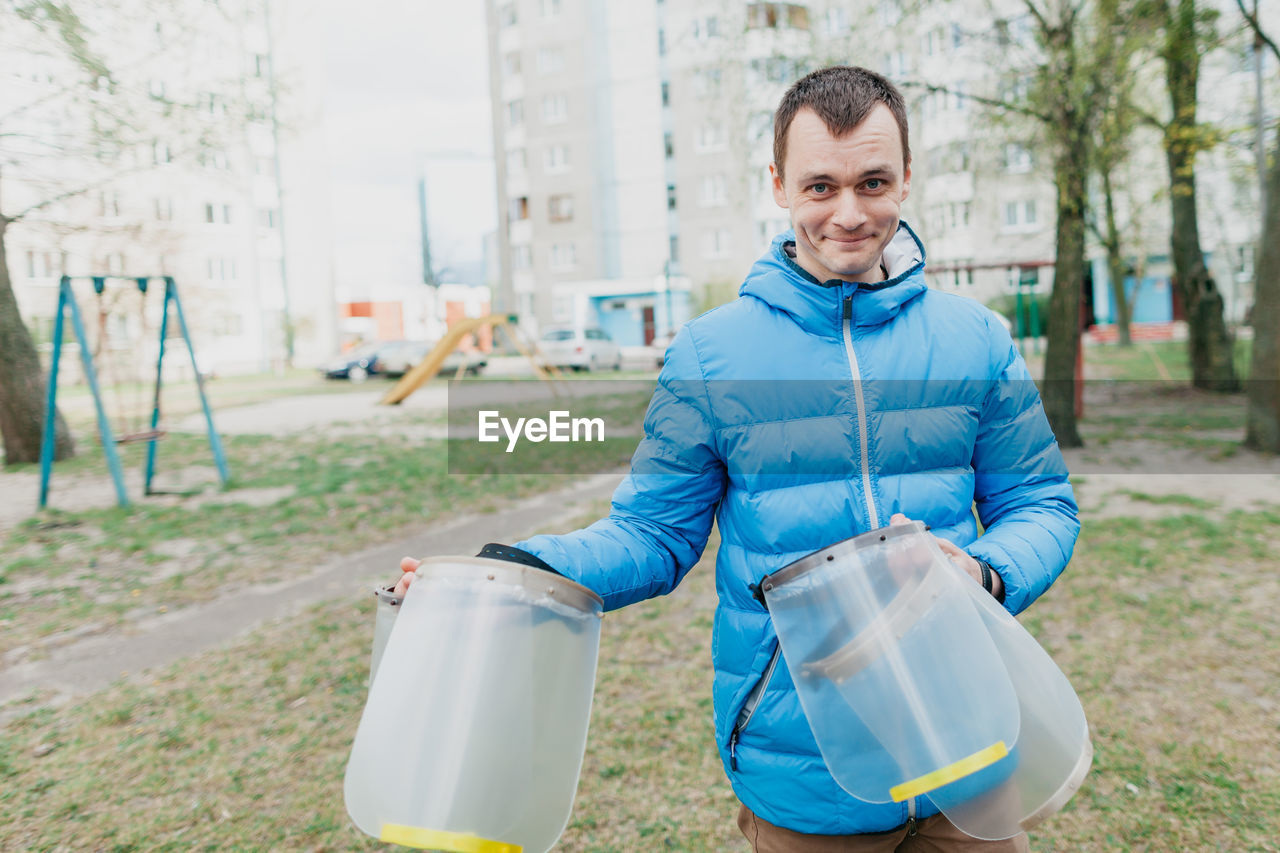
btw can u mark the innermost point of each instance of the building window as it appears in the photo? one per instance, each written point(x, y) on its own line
point(521, 257)
point(560, 208)
point(671, 196)
point(710, 138)
point(511, 63)
point(662, 42)
point(515, 114)
point(715, 244)
point(713, 191)
point(837, 22)
point(1017, 159)
point(1020, 214)
point(550, 8)
point(507, 15)
point(267, 217)
point(517, 161)
point(555, 108)
point(563, 257)
point(673, 248)
point(770, 16)
point(775, 69)
point(550, 60)
point(669, 145)
point(706, 28)
point(555, 159)
point(518, 210)
point(666, 94)
point(108, 204)
point(160, 153)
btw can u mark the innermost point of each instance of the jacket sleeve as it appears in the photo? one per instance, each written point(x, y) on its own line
point(663, 510)
point(1023, 496)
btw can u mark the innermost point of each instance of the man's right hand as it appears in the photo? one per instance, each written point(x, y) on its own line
point(408, 565)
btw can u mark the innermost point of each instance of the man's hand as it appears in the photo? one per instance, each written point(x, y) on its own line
point(408, 565)
point(960, 558)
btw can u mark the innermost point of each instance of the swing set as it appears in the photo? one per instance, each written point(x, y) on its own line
point(108, 299)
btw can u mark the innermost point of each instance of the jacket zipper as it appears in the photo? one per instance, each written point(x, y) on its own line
point(872, 515)
point(749, 707)
point(863, 443)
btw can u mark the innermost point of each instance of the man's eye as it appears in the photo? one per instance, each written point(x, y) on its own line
point(820, 189)
point(874, 184)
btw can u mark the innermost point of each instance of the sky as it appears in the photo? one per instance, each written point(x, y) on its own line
point(407, 95)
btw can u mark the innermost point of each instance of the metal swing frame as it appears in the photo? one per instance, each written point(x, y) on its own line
point(67, 305)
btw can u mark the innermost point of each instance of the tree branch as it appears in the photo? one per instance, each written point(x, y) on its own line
point(1257, 28)
point(990, 102)
point(90, 187)
point(1038, 15)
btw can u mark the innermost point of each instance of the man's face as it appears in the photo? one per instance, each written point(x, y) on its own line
point(844, 193)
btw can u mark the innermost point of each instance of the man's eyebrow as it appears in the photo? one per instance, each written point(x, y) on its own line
point(872, 171)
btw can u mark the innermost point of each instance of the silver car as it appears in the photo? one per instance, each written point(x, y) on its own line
point(402, 356)
point(580, 349)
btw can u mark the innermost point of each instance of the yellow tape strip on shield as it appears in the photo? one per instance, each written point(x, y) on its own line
point(436, 839)
point(945, 775)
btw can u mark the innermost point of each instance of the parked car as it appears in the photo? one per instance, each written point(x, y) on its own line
point(402, 356)
point(580, 349)
point(357, 365)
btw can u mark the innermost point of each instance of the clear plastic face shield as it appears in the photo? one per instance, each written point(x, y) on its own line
point(474, 730)
point(916, 683)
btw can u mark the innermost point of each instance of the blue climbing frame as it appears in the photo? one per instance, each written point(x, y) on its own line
point(67, 305)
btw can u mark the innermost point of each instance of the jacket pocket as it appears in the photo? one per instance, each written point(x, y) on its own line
point(750, 704)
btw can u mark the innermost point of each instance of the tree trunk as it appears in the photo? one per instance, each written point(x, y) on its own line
point(1210, 345)
point(22, 382)
point(1063, 334)
point(1262, 431)
point(1115, 262)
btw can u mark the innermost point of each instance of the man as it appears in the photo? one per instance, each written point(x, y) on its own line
point(835, 395)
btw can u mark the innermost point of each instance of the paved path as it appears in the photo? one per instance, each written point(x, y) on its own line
point(86, 666)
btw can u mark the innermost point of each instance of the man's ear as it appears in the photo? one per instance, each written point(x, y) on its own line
point(779, 193)
point(906, 182)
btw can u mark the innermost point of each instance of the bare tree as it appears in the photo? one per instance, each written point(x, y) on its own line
point(1118, 42)
point(1262, 430)
point(102, 122)
point(1187, 32)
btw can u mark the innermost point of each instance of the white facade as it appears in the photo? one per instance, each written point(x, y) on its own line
point(577, 133)
point(186, 184)
point(982, 196)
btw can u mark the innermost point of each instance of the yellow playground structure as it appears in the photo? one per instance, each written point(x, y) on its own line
point(424, 370)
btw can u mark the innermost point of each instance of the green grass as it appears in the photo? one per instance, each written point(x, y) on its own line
point(1155, 360)
point(294, 500)
point(1167, 629)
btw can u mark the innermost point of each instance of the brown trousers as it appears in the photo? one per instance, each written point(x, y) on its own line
point(932, 835)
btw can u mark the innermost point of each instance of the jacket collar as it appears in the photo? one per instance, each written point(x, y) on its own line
point(778, 280)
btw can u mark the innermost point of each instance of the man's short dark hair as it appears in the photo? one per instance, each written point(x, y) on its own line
point(842, 96)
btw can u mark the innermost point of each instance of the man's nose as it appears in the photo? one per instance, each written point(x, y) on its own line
point(848, 211)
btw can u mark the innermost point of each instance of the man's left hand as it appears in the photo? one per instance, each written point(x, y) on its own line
point(960, 558)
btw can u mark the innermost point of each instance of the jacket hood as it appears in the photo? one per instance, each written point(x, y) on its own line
point(779, 281)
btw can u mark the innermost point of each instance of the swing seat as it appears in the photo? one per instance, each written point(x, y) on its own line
point(146, 435)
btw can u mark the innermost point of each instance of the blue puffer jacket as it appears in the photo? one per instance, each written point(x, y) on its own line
point(802, 414)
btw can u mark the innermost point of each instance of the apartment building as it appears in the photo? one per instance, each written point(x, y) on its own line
point(180, 176)
point(700, 80)
point(577, 126)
